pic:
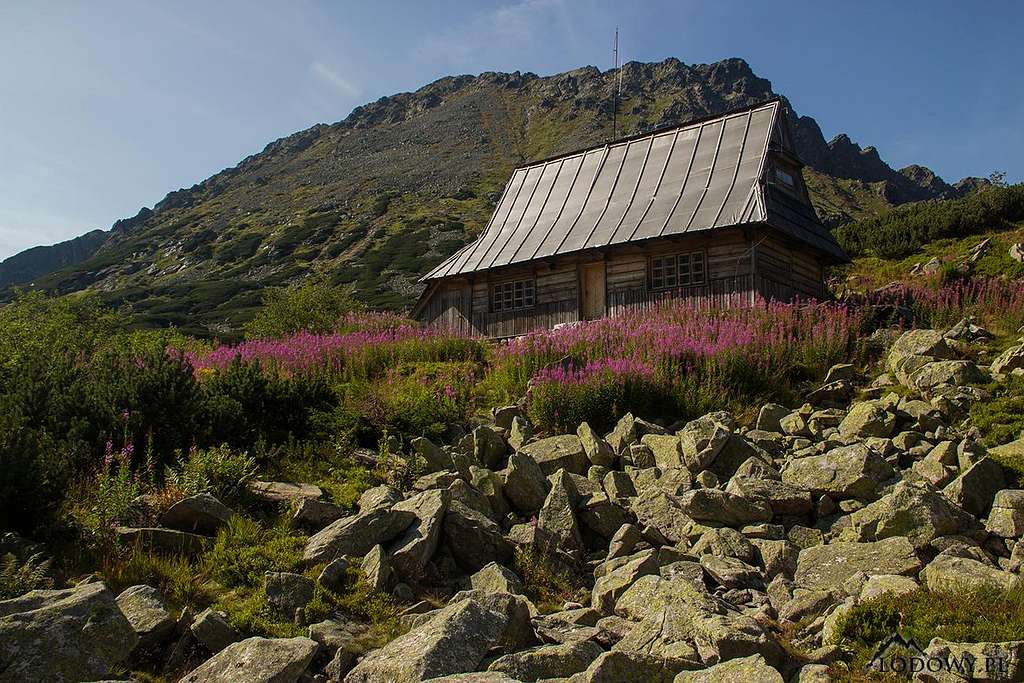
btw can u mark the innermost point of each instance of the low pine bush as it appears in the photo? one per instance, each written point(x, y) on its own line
point(905, 230)
point(980, 615)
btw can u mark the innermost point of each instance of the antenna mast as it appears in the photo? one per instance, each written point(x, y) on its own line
point(617, 85)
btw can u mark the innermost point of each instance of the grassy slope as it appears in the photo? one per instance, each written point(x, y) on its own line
point(869, 272)
point(839, 200)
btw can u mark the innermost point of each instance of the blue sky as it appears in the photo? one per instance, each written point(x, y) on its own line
point(106, 106)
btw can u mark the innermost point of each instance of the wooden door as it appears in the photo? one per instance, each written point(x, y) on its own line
point(592, 290)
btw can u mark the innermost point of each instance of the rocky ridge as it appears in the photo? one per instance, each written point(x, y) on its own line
point(703, 550)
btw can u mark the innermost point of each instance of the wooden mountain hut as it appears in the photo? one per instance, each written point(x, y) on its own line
point(715, 210)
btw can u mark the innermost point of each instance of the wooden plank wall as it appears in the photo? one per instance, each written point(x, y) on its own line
point(786, 272)
point(737, 266)
point(556, 301)
point(727, 254)
point(728, 262)
point(449, 308)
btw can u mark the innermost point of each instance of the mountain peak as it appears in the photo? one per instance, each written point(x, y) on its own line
point(379, 197)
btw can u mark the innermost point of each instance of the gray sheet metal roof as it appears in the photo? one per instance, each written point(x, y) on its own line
point(697, 177)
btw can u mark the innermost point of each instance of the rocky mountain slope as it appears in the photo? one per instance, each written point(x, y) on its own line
point(380, 197)
point(702, 551)
point(27, 265)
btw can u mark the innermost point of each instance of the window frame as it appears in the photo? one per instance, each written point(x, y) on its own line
point(658, 279)
point(513, 295)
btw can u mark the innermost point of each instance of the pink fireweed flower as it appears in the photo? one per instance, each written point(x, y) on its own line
point(304, 350)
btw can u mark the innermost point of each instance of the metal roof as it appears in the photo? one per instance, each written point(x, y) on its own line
point(697, 177)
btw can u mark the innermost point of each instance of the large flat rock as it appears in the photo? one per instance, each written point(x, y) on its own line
point(452, 641)
point(257, 660)
point(824, 567)
point(358, 534)
point(558, 452)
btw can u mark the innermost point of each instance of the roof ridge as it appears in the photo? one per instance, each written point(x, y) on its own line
point(697, 121)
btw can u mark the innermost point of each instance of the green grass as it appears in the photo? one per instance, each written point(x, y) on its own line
point(972, 616)
point(545, 580)
point(871, 271)
point(328, 466)
point(181, 581)
point(1001, 420)
point(245, 549)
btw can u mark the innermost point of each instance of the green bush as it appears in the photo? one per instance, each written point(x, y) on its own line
point(251, 614)
point(312, 305)
point(149, 393)
point(546, 580)
point(244, 550)
point(245, 406)
point(560, 403)
point(328, 465)
point(109, 503)
point(35, 471)
point(414, 399)
point(979, 615)
point(218, 471)
point(906, 229)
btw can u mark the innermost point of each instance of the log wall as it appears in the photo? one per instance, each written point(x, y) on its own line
point(739, 265)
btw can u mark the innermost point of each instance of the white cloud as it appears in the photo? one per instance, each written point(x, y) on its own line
point(327, 75)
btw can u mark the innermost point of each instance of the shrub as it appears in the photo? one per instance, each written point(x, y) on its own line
point(109, 503)
point(251, 614)
point(218, 471)
point(329, 465)
point(417, 400)
point(546, 580)
point(560, 398)
point(978, 615)
point(312, 305)
point(35, 471)
point(18, 578)
point(244, 550)
point(906, 229)
point(693, 358)
point(150, 393)
point(245, 405)
point(995, 302)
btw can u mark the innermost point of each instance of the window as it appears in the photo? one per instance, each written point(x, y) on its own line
point(679, 270)
point(512, 296)
point(785, 177)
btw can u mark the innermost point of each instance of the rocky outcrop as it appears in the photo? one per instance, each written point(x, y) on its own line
point(257, 660)
point(679, 552)
point(357, 534)
point(450, 642)
point(77, 634)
